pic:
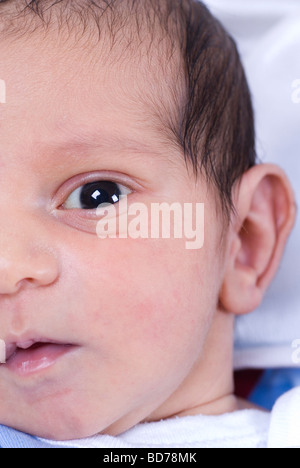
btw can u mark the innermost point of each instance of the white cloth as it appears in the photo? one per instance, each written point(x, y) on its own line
point(268, 36)
point(285, 423)
point(241, 429)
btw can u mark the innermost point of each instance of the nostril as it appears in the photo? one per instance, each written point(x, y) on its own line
point(25, 281)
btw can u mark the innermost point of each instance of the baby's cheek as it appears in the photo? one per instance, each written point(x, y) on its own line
point(140, 295)
point(159, 301)
point(139, 314)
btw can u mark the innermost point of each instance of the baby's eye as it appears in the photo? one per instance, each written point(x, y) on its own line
point(91, 196)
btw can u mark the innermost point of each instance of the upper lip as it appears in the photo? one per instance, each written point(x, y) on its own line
point(13, 345)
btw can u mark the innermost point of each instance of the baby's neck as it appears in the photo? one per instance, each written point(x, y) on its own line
point(225, 404)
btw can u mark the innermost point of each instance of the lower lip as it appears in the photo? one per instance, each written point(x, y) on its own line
point(29, 361)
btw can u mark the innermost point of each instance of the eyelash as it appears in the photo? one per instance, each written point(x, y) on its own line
point(95, 194)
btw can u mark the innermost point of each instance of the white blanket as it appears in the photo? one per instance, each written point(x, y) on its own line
point(242, 429)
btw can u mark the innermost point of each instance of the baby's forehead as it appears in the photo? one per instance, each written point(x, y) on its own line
point(135, 42)
point(122, 64)
point(100, 96)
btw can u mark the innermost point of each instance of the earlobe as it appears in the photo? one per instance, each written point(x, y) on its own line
point(265, 215)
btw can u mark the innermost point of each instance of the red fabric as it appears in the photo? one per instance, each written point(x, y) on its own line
point(246, 381)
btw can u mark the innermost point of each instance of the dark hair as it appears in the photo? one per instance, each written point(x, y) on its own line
point(214, 125)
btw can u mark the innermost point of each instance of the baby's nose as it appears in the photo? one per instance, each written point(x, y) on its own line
point(17, 272)
point(25, 257)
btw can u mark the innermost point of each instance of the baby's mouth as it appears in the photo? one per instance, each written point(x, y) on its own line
point(28, 357)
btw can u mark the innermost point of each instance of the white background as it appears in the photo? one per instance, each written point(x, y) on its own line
point(268, 36)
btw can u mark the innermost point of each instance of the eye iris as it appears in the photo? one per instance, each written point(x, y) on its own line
point(94, 194)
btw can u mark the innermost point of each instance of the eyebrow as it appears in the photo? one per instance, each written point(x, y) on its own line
point(92, 138)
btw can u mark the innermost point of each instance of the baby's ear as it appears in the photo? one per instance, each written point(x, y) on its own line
point(265, 215)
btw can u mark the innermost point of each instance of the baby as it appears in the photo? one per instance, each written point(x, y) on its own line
point(121, 338)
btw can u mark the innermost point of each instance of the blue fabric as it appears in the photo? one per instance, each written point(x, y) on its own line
point(10, 438)
point(273, 384)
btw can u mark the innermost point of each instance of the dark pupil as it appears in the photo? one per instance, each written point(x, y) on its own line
point(94, 194)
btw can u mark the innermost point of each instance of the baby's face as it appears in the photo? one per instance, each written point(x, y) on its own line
point(114, 327)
